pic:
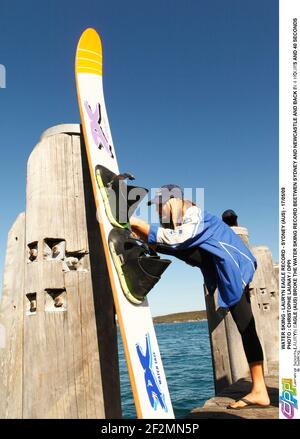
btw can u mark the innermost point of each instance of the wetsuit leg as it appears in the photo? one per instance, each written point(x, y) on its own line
point(244, 319)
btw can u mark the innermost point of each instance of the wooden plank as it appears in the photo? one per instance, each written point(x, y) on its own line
point(11, 323)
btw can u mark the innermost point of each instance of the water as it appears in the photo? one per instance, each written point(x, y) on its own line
point(185, 352)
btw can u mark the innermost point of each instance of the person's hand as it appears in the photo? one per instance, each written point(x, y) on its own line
point(137, 222)
point(139, 227)
point(134, 235)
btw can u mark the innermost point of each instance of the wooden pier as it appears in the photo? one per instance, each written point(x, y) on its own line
point(216, 407)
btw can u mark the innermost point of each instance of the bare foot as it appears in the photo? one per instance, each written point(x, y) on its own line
point(260, 398)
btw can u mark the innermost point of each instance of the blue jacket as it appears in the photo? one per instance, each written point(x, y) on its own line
point(233, 261)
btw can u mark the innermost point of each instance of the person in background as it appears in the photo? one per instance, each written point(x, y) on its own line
point(230, 218)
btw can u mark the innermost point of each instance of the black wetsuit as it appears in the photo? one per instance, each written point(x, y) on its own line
point(242, 315)
point(241, 311)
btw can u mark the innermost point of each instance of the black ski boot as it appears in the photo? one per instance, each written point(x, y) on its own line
point(138, 266)
point(120, 199)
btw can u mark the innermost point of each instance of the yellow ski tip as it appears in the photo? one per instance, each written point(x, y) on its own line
point(89, 53)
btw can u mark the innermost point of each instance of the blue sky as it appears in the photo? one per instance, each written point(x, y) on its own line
point(191, 91)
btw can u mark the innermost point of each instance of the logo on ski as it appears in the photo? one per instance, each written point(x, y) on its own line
point(151, 375)
point(98, 135)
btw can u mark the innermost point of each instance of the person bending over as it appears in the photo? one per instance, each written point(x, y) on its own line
point(204, 240)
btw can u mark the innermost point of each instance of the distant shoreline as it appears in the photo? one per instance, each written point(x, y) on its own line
point(179, 321)
point(190, 316)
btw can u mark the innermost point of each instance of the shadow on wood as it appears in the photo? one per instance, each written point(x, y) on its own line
point(103, 301)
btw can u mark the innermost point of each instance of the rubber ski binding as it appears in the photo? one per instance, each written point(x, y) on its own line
point(120, 199)
point(139, 267)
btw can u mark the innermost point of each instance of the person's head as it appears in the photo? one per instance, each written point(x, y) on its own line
point(230, 217)
point(169, 205)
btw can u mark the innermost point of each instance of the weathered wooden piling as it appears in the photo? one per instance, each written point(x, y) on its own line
point(267, 293)
point(70, 359)
point(11, 323)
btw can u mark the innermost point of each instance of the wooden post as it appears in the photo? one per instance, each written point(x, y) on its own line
point(70, 337)
point(11, 323)
point(267, 291)
point(218, 342)
point(237, 358)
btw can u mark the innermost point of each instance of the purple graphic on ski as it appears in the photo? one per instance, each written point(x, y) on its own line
point(98, 135)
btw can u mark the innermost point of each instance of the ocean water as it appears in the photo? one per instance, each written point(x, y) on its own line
point(185, 352)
